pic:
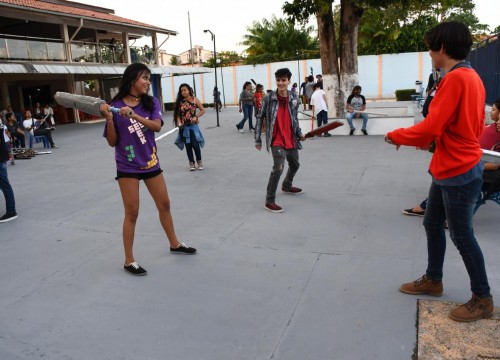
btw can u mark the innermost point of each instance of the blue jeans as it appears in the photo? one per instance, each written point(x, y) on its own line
point(351, 116)
point(193, 145)
point(247, 114)
point(455, 204)
point(322, 118)
point(8, 193)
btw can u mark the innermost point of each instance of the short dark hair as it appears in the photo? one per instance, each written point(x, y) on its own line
point(453, 37)
point(357, 87)
point(497, 103)
point(317, 86)
point(285, 72)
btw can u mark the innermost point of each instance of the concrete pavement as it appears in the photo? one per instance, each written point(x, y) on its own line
point(319, 281)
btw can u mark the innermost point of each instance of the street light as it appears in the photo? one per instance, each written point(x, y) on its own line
point(298, 68)
point(215, 67)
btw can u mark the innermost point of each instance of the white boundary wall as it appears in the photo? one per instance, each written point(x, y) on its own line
point(379, 75)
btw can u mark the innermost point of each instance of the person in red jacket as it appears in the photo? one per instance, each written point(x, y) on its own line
point(454, 123)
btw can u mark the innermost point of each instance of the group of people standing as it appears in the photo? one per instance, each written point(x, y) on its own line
point(307, 89)
point(454, 123)
point(248, 102)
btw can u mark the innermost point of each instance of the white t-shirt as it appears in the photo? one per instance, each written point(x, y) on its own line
point(48, 112)
point(28, 123)
point(318, 101)
point(4, 131)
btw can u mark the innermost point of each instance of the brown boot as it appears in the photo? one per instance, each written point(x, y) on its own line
point(424, 285)
point(475, 309)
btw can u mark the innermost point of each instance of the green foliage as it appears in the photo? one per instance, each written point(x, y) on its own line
point(401, 27)
point(90, 84)
point(301, 10)
point(405, 94)
point(174, 60)
point(227, 58)
point(278, 40)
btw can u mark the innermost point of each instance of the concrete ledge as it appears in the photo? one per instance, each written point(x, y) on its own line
point(375, 126)
point(383, 117)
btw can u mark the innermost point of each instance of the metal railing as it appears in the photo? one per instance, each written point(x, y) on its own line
point(91, 52)
point(26, 48)
point(31, 48)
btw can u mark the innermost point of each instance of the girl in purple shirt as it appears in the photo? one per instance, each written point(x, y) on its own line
point(131, 133)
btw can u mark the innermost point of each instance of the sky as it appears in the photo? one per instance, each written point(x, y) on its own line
point(228, 20)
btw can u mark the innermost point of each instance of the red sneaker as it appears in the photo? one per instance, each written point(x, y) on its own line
point(293, 190)
point(273, 207)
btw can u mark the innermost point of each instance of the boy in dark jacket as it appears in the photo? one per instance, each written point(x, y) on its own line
point(283, 135)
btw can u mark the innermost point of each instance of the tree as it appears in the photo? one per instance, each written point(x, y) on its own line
point(338, 76)
point(227, 58)
point(174, 60)
point(398, 28)
point(407, 20)
point(278, 40)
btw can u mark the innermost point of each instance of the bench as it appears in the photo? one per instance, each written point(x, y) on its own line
point(483, 197)
point(490, 190)
point(376, 125)
point(37, 139)
point(42, 139)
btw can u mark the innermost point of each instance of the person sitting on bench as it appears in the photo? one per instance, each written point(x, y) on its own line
point(38, 127)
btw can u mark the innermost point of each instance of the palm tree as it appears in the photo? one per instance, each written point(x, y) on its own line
point(278, 40)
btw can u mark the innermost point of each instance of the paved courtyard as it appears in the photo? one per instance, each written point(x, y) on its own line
point(319, 281)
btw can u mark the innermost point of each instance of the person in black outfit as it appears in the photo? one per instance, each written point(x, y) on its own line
point(432, 84)
point(18, 135)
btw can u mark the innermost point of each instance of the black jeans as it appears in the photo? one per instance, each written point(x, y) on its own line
point(279, 156)
point(322, 118)
point(47, 133)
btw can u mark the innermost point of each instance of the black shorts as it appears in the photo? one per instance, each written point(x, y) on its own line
point(138, 176)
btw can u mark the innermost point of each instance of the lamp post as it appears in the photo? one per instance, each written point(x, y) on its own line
point(215, 67)
point(222, 77)
point(298, 68)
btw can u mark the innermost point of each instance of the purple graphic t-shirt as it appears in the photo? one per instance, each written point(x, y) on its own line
point(135, 150)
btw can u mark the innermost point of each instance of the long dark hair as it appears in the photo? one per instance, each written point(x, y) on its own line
point(130, 75)
point(179, 99)
point(357, 87)
point(246, 84)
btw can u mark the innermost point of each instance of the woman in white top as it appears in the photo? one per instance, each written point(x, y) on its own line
point(48, 114)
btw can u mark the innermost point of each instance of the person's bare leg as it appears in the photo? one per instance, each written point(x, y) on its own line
point(418, 208)
point(129, 189)
point(158, 190)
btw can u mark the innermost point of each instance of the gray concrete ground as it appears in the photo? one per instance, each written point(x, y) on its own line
point(319, 281)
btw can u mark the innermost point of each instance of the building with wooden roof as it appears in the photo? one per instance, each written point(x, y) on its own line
point(57, 45)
